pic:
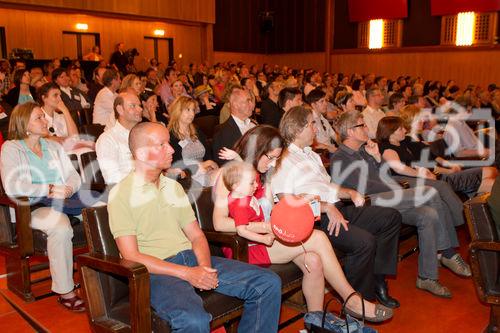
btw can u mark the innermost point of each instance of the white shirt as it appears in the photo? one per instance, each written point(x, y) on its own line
point(243, 125)
point(103, 108)
point(78, 97)
point(58, 123)
point(113, 154)
point(325, 133)
point(372, 117)
point(302, 171)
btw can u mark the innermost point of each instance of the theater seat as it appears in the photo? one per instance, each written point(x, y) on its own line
point(117, 290)
point(484, 251)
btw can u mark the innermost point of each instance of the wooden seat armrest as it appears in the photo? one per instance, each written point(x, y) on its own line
point(139, 289)
point(115, 265)
point(484, 246)
point(238, 244)
point(24, 232)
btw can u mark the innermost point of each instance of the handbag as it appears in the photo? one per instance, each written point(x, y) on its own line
point(337, 324)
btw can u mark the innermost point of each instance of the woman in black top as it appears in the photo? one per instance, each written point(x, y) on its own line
point(191, 152)
point(402, 152)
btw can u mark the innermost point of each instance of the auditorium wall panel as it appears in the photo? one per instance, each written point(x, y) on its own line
point(185, 10)
point(42, 32)
point(471, 66)
point(297, 60)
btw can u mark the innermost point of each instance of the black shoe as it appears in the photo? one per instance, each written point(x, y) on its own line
point(382, 295)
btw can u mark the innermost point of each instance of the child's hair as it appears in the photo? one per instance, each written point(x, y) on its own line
point(233, 171)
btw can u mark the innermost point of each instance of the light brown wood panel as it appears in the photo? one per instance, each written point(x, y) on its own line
point(464, 67)
point(163, 51)
point(88, 41)
point(42, 32)
point(69, 46)
point(296, 60)
point(185, 10)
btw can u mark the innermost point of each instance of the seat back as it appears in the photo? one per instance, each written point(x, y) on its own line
point(74, 160)
point(482, 229)
point(92, 131)
point(203, 206)
point(91, 170)
point(7, 232)
point(101, 241)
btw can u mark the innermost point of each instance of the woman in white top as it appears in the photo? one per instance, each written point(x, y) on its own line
point(61, 126)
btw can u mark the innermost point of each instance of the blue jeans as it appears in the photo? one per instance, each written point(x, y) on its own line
point(176, 301)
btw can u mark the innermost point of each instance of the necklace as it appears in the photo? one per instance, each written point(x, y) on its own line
point(51, 127)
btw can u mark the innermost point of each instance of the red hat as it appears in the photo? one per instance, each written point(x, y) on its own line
point(292, 219)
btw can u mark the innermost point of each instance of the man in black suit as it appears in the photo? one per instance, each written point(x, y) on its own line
point(241, 105)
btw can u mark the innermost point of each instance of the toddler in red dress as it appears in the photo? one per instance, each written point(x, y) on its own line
point(241, 180)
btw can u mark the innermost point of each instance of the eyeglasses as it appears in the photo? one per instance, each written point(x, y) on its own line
point(359, 125)
point(271, 158)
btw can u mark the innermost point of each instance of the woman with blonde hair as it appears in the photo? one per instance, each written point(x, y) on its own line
point(191, 152)
point(132, 83)
point(40, 169)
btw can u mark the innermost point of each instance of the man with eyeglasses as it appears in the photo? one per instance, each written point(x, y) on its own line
point(112, 148)
point(357, 164)
point(373, 112)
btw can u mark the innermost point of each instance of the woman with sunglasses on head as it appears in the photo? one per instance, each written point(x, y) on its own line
point(262, 147)
point(60, 123)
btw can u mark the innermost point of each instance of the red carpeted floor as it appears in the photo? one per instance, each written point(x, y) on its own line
point(420, 312)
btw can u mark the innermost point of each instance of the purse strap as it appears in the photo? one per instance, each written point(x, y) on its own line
point(362, 307)
point(325, 309)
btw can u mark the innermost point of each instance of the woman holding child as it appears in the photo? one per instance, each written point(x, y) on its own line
point(261, 147)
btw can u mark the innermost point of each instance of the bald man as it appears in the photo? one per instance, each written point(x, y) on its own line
point(241, 106)
point(153, 223)
point(112, 149)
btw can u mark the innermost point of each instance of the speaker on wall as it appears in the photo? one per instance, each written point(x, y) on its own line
point(266, 21)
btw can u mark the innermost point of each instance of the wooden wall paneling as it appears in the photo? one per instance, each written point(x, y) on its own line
point(184, 10)
point(88, 41)
point(42, 32)
point(69, 46)
point(465, 67)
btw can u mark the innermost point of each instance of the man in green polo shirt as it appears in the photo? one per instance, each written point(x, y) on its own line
point(153, 223)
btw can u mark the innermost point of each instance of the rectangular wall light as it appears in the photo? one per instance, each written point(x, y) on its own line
point(376, 34)
point(159, 32)
point(465, 29)
point(82, 26)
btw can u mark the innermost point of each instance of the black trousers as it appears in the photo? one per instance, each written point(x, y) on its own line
point(370, 246)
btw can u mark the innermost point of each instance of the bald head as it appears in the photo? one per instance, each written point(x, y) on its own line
point(140, 135)
point(241, 103)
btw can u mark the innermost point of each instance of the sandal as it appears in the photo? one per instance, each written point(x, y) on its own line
point(71, 303)
point(382, 313)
